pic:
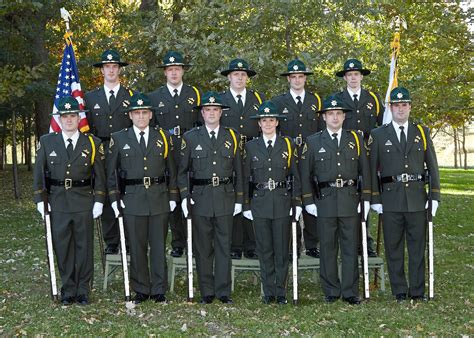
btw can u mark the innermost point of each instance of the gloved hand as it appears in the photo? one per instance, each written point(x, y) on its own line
point(97, 209)
point(378, 208)
point(298, 212)
point(40, 208)
point(115, 208)
point(366, 209)
point(312, 209)
point(434, 207)
point(184, 206)
point(248, 214)
point(172, 205)
point(237, 209)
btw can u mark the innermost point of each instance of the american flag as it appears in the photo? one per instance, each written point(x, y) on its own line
point(68, 84)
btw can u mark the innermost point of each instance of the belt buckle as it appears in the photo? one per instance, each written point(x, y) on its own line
point(404, 178)
point(177, 131)
point(243, 138)
point(147, 182)
point(68, 183)
point(215, 181)
point(271, 184)
point(299, 140)
point(339, 183)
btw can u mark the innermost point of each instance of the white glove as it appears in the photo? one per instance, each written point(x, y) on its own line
point(97, 209)
point(115, 208)
point(312, 209)
point(184, 206)
point(237, 209)
point(172, 205)
point(298, 212)
point(366, 209)
point(40, 208)
point(434, 207)
point(377, 208)
point(248, 215)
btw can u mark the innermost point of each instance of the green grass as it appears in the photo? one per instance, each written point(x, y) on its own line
point(26, 308)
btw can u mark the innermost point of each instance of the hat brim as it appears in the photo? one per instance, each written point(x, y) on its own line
point(212, 105)
point(399, 101)
point(129, 109)
point(341, 73)
point(322, 111)
point(258, 117)
point(64, 112)
point(297, 72)
point(185, 65)
point(250, 72)
point(101, 63)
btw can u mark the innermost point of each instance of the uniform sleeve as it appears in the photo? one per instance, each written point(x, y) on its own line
point(183, 168)
point(172, 172)
point(432, 165)
point(306, 160)
point(99, 172)
point(39, 193)
point(373, 144)
point(296, 188)
point(113, 164)
point(381, 111)
point(239, 179)
point(246, 181)
point(364, 171)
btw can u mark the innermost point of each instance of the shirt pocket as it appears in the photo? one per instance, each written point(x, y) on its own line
point(322, 162)
point(199, 158)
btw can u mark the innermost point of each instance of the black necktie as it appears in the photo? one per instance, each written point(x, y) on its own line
point(356, 101)
point(334, 140)
point(175, 96)
point(213, 137)
point(299, 103)
point(69, 148)
point(142, 142)
point(269, 147)
point(240, 104)
point(111, 99)
point(403, 139)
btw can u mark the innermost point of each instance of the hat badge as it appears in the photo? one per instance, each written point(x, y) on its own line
point(140, 102)
point(399, 95)
point(240, 65)
point(351, 65)
point(334, 103)
point(212, 99)
point(266, 110)
point(67, 106)
point(295, 67)
point(109, 57)
point(171, 58)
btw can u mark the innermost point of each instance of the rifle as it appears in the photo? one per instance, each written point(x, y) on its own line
point(49, 236)
point(429, 217)
point(294, 249)
point(365, 255)
point(189, 247)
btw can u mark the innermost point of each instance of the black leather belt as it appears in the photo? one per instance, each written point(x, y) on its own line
point(270, 185)
point(69, 183)
point(338, 183)
point(215, 181)
point(403, 178)
point(146, 181)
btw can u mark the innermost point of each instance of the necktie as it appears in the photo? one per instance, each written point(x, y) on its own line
point(299, 103)
point(69, 148)
point(356, 101)
point(213, 137)
point(111, 99)
point(240, 104)
point(334, 140)
point(403, 139)
point(175, 96)
point(142, 142)
point(269, 147)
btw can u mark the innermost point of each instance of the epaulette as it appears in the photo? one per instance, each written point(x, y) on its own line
point(386, 125)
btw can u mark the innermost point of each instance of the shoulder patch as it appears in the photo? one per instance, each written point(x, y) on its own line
point(183, 144)
point(111, 144)
point(305, 149)
point(38, 146)
point(369, 142)
point(101, 148)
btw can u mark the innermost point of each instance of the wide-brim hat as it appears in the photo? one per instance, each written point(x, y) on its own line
point(267, 109)
point(173, 58)
point(139, 101)
point(296, 67)
point(239, 65)
point(333, 103)
point(352, 65)
point(211, 98)
point(68, 105)
point(110, 56)
point(399, 94)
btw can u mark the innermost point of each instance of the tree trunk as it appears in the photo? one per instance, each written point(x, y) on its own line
point(16, 186)
point(148, 5)
point(455, 133)
point(2, 145)
point(464, 150)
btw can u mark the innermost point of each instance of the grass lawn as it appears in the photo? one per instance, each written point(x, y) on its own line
point(26, 308)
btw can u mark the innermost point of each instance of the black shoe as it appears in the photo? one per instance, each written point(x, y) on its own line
point(421, 298)
point(82, 300)
point(226, 300)
point(268, 299)
point(207, 300)
point(250, 254)
point(352, 300)
point(330, 299)
point(111, 249)
point(282, 300)
point(313, 252)
point(140, 298)
point(371, 252)
point(68, 300)
point(177, 252)
point(158, 298)
point(400, 297)
point(236, 254)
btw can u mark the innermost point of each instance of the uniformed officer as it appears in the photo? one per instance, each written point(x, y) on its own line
point(365, 114)
point(71, 163)
point(175, 112)
point(300, 119)
point(333, 161)
point(272, 185)
point(106, 115)
point(142, 156)
point(399, 153)
point(243, 104)
point(211, 155)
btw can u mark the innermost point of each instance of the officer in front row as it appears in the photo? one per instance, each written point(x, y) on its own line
point(141, 158)
point(272, 186)
point(211, 156)
point(399, 153)
point(71, 163)
point(332, 163)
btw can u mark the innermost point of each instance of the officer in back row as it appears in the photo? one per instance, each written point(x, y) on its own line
point(243, 103)
point(175, 112)
point(106, 115)
point(298, 109)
